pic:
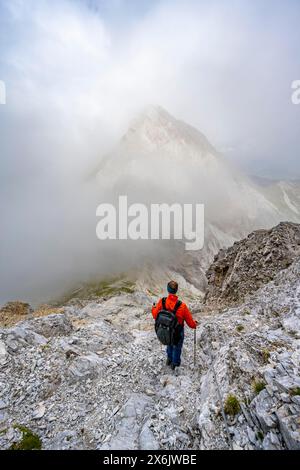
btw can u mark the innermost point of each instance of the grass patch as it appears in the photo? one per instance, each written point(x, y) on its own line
point(265, 355)
point(258, 386)
point(260, 435)
point(104, 288)
point(232, 405)
point(294, 392)
point(150, 292)
point(239, 328)
point(29, 441)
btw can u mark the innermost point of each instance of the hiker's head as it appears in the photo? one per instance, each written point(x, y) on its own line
point(172, 287)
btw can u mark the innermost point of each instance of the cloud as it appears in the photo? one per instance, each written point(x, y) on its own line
point(76, 72)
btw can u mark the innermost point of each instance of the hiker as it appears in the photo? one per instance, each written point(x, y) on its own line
point(169, 333)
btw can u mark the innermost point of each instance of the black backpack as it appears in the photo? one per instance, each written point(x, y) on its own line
point(167, 327)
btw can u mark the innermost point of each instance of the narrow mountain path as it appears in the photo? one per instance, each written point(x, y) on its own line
point(94, 376)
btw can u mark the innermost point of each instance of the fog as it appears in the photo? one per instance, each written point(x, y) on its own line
point(77, 72)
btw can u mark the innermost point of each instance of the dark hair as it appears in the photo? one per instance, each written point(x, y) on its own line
point(172, 287)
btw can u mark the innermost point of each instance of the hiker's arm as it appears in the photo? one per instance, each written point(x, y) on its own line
point(189, 318)
point(156, 309)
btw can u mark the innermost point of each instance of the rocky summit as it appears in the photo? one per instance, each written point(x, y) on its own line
point(251, 263)
point(92, 375)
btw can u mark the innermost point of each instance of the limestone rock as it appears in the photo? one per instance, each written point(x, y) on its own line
point(84, 367)
point(3, 353)
point(52, 325)
point(251, 263)
point(290, 427)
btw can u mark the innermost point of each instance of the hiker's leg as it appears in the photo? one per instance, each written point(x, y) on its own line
point(176, 359)
point(170, 353)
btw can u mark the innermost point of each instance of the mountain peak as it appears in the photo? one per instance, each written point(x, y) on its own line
point(155, 112)
point(152, 115)
point(155, 128)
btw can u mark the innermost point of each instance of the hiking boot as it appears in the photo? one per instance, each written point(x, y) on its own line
point(173, 367)
point(169, 362)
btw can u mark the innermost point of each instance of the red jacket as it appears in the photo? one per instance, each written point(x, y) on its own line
point(183, 314)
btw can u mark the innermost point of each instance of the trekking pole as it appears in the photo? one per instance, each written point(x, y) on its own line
point(195, 343)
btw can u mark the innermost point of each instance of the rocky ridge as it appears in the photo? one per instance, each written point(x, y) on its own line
point(251, 263)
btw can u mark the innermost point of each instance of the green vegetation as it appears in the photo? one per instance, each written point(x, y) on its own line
point(232, 405)
point(239, 328)
point(258, 386)
point(104, 288)
point(295, 391)
point(112, 287)
point(260, 435)
point(29, 441)
point(150, 292)
point(265, 355)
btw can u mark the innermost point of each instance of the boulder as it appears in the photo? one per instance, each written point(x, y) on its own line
point(130, 433)
point(289, 426)
point(83, 367)
point(147, 440)
point(263, 405)
point(52, 325)
point(271, 442)
point(21, 336)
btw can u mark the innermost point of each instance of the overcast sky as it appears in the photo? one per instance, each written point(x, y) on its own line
point(90, 65)
point(76, 73)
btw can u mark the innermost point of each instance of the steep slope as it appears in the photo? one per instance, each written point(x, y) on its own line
point(63, 376)
point(285, 195)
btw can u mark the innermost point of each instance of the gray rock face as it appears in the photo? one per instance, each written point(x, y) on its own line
point(271, 442)
point(66, 440)
point(289, 426)
point(3, 405)
point(3, 353)
point(21, 336)
point(131, 433)
point(95, 377)
point(52, 325)
point(147, 440)
point(263, 408)
point(251, 263)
